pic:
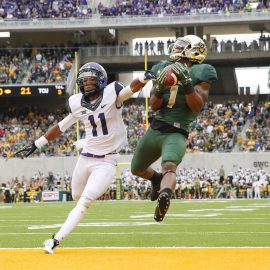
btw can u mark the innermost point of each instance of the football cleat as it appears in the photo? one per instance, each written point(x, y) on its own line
point(50, 245)
point(162, 207)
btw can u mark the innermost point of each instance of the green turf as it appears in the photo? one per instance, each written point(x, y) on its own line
point(232, 223)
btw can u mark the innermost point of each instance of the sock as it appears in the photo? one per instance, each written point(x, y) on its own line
point(156, 178)
point(167, 191)
point(73, 219)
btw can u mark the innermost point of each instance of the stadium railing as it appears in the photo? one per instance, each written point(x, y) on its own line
point(132, 21)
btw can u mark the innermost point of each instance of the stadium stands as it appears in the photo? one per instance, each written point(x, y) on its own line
point(80, 9)
point(44, 9)
point(217, 129)
point(191, 184)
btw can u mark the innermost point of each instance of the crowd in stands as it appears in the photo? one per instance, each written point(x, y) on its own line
point(191, 184)
point(258, 131)
point(19, 127)
point(261, 44)
point(24, 9)
point(161, 47)
point(203, 184)
point(219, 128)
point(232, 126)
point(35, 65)
point(176, 7)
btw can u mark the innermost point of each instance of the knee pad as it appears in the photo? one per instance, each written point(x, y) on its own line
point(84, 203)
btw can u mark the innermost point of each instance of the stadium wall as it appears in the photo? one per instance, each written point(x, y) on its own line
point(11, 168)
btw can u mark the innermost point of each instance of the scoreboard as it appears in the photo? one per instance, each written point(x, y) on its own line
point(56, 90)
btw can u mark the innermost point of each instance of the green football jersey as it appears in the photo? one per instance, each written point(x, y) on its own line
point(175, 110)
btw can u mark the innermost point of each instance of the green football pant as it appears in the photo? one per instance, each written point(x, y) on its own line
point(154, 144)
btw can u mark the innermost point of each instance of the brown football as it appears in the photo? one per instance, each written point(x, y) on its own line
point(171, 78)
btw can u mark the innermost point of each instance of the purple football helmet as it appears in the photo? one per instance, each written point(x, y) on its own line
point(92, 69)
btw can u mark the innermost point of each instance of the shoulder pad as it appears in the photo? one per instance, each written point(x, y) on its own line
point(118, 86)
point(160, 66)
point(72, 101)
point(203, 73)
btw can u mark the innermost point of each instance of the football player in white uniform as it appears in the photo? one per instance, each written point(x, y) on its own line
point(98, 106)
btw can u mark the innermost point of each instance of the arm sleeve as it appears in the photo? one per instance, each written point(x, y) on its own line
point(67, 122)
point(124, 94)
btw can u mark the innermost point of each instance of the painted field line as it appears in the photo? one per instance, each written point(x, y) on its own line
point(137, 233)
point(170, 218)
point(133, 247)
point(182, 224)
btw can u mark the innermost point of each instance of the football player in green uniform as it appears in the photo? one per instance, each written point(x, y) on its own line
point(175, 108)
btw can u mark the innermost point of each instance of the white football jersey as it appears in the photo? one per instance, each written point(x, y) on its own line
point(104, 126)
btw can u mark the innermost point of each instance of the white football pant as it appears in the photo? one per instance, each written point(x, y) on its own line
point(91, 179)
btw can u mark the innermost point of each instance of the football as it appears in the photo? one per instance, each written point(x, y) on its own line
point(171, 79)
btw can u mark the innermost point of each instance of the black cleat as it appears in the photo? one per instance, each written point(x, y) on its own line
point(162, 207)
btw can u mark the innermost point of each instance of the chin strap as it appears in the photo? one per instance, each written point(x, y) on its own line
point(92, 92)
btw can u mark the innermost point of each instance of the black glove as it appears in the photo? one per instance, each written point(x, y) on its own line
point(149, 75)
point(182, 73)
point(27, 150)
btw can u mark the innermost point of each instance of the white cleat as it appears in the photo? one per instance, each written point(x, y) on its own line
point(50, 245)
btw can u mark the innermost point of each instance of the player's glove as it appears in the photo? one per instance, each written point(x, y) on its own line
point(147, 76)
point(158, 89)
point(161, 78)
point(27, 150)
point(182, 73)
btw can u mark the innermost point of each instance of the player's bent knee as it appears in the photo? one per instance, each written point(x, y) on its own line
point(82, 209)
point(84, 203)
point(169, 165)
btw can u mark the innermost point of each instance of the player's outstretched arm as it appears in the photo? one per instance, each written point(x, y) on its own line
point(140, 82)
point(51, 134)
point(135, 86)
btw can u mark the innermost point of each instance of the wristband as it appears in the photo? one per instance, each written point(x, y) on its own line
point(189, 89)
point(41, 142)
point(141, 78)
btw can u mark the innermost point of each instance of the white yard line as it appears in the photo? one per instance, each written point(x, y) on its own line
point(135, 233)
point(132, 247)
point(154, 223)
